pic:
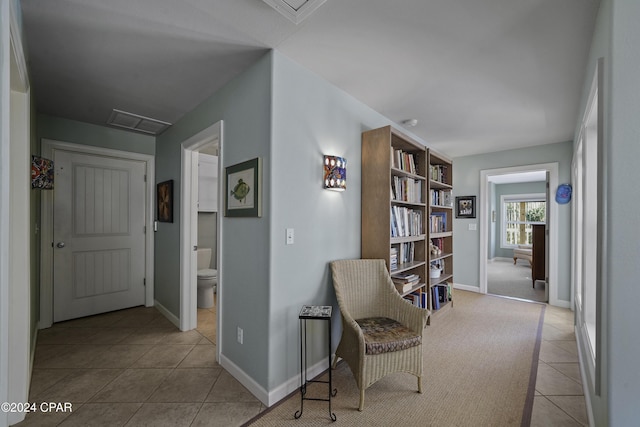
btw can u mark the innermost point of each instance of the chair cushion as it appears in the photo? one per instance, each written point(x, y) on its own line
point(384, 335)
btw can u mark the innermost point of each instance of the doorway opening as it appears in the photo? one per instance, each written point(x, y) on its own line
point(498, 244)
point(518, 219)
point(201, 236)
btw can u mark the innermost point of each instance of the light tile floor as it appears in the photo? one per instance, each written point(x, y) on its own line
point(559, 398)
point(133, 367)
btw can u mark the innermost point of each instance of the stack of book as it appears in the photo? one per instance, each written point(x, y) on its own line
point(405, 282)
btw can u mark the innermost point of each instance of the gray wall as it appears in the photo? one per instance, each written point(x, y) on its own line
point(466, 181)
point(311, 117)
point(616, 39)
point(245, 106)
point(623, 247)
point(507, 190)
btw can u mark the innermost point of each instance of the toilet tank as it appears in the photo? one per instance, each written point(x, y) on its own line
point(204, 258)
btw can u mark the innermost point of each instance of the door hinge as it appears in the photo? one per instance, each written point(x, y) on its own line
point(144, 282)
point(144, 230)
point(145, 178)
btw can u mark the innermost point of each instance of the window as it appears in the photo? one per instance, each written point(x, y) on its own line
point(519, 213)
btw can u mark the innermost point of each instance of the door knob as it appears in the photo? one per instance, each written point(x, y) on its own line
point(60, 245)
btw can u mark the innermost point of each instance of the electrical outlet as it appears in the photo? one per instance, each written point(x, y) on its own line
point(240, 335)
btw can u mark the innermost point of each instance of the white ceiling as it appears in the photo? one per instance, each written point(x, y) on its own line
point(479, 75)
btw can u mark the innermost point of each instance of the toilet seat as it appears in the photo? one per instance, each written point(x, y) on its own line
point(207, 273)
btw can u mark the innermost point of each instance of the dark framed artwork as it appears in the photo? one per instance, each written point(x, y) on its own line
point(164, 199)
point(243, 189)
point(41, 173)
point(466, 207)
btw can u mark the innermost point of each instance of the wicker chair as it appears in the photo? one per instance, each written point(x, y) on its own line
point(369, 303)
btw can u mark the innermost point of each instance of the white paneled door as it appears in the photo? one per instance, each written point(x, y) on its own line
point(99, 234)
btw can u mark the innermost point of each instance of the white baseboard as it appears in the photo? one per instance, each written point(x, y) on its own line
point(270, 398)
point(166, 313)
point(583, 375)
point(501, 259)
point(293, 384)
point(256, 389)
point(466, 287)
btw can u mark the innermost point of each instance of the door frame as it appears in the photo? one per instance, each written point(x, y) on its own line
point(552, 220)
point(46, 264)
point(16, 346)
point(189, 224)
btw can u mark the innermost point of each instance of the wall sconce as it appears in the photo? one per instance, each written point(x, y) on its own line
point(335, 173)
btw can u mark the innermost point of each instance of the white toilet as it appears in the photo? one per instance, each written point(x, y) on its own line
point(207, 279)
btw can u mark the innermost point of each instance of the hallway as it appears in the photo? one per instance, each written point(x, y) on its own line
point(133, 367)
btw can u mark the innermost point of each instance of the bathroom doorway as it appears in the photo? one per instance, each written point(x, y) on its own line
point(201, 233)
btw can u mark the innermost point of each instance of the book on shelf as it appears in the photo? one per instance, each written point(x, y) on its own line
point(406, 252)
point(438, 222)
point(403, 161)
point(405, 222)
point(413, 298)
point(441, 198)
point(393, 259)
point(405, 189)
point(404, 287)
point(435, 297)
point(438, 173)
point(405, 281)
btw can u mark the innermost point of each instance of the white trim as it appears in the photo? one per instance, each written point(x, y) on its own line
point(166, 313)
point(15, 366)
point(278, 393)
point(466, 288)
point(188, 224)
point(18, 51)
point(484, 217)
point(254, 388)
point(46, 262)
point(5, 144)
point(585, 384)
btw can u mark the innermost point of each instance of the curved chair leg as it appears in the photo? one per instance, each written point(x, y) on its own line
point(361, 407)
point(420, 385)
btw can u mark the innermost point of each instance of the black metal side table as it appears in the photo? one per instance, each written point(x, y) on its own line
point(313, 312)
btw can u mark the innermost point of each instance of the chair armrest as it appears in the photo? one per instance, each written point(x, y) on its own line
point(406, 313)
point(352, 337)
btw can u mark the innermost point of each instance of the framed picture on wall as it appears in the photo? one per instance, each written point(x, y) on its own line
point(164, 199)
point(466, 207)
point(243, 189)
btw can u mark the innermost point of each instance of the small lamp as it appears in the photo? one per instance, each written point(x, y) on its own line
point(335, 173)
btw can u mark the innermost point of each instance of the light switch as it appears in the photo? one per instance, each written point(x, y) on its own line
point(289, 236)
point(473, 227)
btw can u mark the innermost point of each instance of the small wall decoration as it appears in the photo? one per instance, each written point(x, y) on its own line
point(165, 201)
point(466, 207)
point(41, 173)
point(244, 189)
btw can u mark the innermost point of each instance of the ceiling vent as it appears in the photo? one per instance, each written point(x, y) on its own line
point(295, 10)
point(136, 122)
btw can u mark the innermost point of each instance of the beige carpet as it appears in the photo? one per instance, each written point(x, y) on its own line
point(480, 365)
point(513, 280)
